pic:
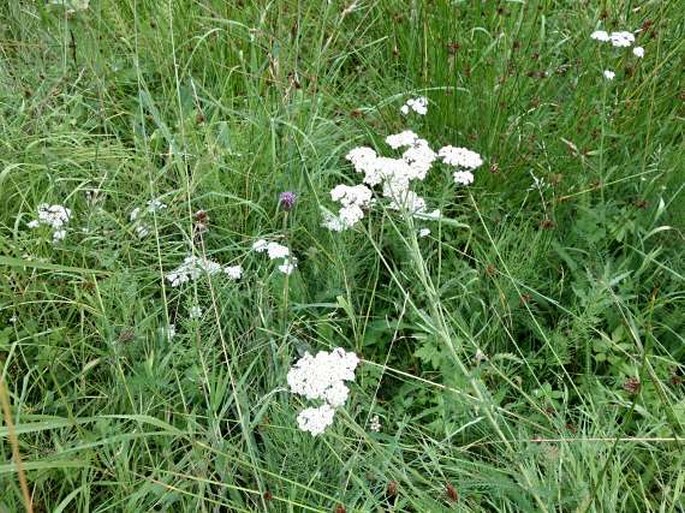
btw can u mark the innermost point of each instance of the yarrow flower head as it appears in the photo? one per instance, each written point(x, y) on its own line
point(359, 195)
point(315, 420)
point(276, 251)
point(600, 35)
point(322, 377)
point(194, 266)
point(638, 51)
point(393, 174)
point(273, 249)
point(234, 272)
point(608, 74)
point(288, 266)
point(354, 200)
point(419, 157)
point(406, 138)
point(54, 216)
point(71, 6)
point(463, 177)
point(331, 221)
point(418, 105)
point(460, 157)
point(396, 175)
point(620, 39)
point(375, 424)
point(260, 246)
point(362, 158)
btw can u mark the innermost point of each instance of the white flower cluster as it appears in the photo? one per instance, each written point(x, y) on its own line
point(354, 201)
point(71, 6)
point(315, 420)
point(621, 39)
point(465, 161)
point(194, 266)
point(277, 251)
point(54, 216)
point(375, 424)
point(460, 157)
point(395, 176)
point(137, 217)
point(418, 105)
point(234, 272)
point(322, 377)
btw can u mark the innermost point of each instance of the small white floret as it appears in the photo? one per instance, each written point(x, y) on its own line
point(375, 424)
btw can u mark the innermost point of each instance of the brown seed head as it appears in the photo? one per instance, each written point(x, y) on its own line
point(632, 385)
point(451, 493)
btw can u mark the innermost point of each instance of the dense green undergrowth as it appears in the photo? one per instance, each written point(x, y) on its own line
point(527, 355)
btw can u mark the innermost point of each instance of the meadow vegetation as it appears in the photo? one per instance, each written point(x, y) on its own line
point(525, 355)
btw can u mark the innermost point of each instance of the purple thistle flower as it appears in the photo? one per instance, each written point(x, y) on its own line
point(287, 200)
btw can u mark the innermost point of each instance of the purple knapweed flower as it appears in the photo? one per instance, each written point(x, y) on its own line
point(287, 200)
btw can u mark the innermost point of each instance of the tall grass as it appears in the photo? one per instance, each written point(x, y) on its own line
point(525, 356)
